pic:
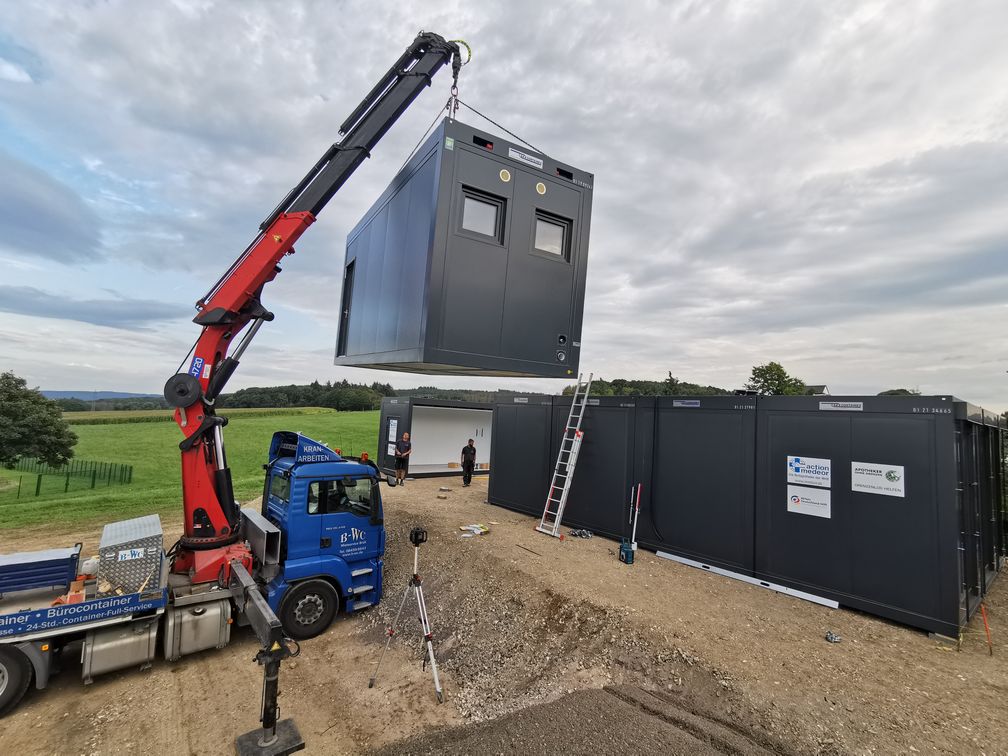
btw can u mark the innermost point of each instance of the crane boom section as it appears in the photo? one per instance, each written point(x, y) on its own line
point(233, 306)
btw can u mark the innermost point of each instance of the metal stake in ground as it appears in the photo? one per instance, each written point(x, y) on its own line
point(417, 536)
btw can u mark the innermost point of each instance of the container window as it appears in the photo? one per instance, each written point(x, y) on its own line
point(482, 214)
point(552, 235)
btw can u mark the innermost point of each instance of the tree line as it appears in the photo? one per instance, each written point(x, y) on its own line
point(768, 379)
point(341, 395)
point(671, 386)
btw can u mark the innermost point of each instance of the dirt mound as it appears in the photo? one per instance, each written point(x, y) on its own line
point(623, 719)
point(507, 643)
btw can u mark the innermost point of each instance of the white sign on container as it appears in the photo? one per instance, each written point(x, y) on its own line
point(885, 480)
point(809, 471)
point(809, 501)
point(393, 426)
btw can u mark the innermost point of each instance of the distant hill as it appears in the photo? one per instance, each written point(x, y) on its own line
point(95, 395)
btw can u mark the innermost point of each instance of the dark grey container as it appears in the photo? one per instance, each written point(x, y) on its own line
point(908, 523)
point(439, 429)
point(914, 530)
point(472, 262)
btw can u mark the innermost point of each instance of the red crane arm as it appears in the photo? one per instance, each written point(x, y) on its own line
point(233, 306)
point(204, 466)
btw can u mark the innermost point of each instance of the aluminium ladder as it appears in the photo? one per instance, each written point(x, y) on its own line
point(563, 473)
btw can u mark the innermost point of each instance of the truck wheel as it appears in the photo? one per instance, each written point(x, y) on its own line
point(15, 674)
point(308, 609)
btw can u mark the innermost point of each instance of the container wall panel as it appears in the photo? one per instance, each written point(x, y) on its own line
point(439, 433)
point(604, 473)
point(521, 461)
point(701, 497)
point(856, 501)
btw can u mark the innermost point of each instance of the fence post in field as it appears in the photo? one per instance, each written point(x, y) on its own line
point(20, 478)
point(130, 474)
point(66, 487)
point(38, 485)
point(94, 476)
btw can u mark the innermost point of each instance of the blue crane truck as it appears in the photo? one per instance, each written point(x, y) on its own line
point(317, 543)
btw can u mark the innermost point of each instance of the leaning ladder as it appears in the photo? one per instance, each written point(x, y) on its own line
point(563, 474)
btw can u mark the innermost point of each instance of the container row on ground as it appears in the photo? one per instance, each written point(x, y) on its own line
point(438, 430)
point(891, 505)
point(473, 261)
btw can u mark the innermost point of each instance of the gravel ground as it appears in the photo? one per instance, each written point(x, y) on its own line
point(521, 629)
point(564, 649)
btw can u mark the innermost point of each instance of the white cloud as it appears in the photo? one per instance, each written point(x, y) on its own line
point(13, 72)
point(820, 184)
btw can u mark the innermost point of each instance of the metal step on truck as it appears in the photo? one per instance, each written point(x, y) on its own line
point(317, 544)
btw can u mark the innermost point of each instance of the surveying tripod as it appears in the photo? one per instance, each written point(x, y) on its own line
point(416, 536)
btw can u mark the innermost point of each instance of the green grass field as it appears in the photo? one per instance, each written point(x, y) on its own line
point(152, 448)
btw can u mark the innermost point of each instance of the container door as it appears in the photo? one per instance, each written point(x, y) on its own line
point(971, 517)
point(393, 426)
point(476, 255)
point(960, 500)
point(344, 324)
point(538, 301)
point(988, 502)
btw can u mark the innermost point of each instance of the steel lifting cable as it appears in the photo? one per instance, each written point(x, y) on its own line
point(446, 106)
point(491, 120)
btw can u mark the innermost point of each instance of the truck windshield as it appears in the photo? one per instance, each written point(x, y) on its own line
point(331, 496)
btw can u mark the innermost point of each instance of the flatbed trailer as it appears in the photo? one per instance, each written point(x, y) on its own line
point(118, 613)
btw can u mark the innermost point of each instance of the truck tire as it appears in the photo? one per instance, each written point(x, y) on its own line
point(308, 608)
point(15, 674)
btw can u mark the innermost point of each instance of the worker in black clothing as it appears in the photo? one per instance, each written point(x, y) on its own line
point(468, 462)
point(403, 448)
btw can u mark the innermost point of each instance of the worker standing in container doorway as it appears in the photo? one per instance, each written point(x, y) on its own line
point(403, 448)
point(468, 462)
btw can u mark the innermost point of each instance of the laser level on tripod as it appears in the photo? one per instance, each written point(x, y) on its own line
point(417, 536)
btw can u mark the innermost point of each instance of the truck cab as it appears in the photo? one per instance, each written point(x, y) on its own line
point(328, 555)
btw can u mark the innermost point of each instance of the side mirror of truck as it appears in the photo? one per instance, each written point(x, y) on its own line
point(390, 480)
point(376, 513)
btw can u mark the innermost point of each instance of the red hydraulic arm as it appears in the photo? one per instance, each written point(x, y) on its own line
point(212, 517)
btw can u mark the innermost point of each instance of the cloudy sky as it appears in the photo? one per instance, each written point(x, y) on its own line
point(822, 184)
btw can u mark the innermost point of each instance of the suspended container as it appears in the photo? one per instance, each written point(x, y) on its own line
point(472, 262)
